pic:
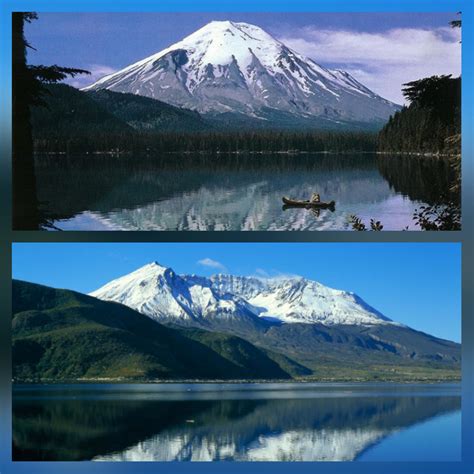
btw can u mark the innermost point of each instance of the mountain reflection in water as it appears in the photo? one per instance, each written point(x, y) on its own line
point(234, 192)
point(272, 425)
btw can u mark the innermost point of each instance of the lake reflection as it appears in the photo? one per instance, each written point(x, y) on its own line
point(288, 422)
point(234, 192)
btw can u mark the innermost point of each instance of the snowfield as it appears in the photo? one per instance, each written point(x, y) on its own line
point(161, 294)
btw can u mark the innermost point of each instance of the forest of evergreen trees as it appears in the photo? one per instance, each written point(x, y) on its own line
point(431, 121)
point(74, 121)
point(209, 142)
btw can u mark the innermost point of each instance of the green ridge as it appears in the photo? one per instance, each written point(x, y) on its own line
point(61, 335)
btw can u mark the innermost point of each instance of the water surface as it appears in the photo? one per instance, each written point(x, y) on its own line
point(238, 422)
point(234, 192)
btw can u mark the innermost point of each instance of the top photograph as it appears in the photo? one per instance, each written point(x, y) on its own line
point(201, 121)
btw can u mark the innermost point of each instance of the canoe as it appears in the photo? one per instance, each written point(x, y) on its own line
point(309, 204)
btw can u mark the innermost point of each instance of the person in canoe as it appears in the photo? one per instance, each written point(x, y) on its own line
point(315, 197)
point(313, 202)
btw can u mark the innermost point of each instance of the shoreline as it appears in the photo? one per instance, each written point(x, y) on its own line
point(118, 381)
point(252, 152)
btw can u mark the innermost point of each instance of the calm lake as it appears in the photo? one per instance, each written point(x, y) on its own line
point(234, 192)
point(238, 422)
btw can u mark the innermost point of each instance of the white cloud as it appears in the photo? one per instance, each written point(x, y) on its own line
point(209, 262)
point(383, 61)
point(96, 72)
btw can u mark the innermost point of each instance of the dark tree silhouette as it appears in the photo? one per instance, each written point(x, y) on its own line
point(430, 124)
point(456, 23)
point(27, 91)
point(441, 94)
point(432, 121)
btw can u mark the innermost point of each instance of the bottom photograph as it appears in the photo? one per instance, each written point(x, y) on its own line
point(236, 352)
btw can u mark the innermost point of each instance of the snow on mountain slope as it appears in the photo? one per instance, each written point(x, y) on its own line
point(298, 300)
point(295, 445)
point(160, 293)
point(237, 67)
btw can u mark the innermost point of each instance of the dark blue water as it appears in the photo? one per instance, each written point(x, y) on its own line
point(238, 422)
point(438, 438)
point(235, 192)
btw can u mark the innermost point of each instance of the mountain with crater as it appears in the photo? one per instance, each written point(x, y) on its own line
point(301, 318)
point(163, 295)
point(154, 324)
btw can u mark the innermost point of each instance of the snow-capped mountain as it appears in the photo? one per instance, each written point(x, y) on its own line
point(238, 68)
point(299, 318)
point(163, 295)
point(294, 445)
point(158, 292)
point(283, 429)
point(298, 300)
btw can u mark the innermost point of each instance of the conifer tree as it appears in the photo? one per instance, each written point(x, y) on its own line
point(27, 91)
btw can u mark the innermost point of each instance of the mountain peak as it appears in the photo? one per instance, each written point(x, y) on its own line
point(231, 27)
point(239, 68)
point(147, 277)
point(219, 25)
point(153, 267)
point(160, 293)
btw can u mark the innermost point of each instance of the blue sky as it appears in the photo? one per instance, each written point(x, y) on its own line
point(416, 284)
point(382, 50)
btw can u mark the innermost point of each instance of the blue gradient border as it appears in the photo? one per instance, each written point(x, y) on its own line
point(466, 236)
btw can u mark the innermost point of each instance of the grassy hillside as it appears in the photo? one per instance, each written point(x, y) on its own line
point(64, 335)
point(358, 353)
